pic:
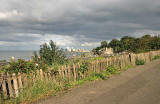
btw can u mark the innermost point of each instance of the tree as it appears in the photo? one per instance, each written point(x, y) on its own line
point(96, 51)
point(132, 44)
point(116, 45)
point(128, 43)
point(104, 44)
point(51, 54)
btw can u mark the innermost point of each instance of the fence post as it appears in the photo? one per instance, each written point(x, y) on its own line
point(133, 59)
point(62, 71)
point(66, 71)
point(94, 66)
point(74, 71)
point(4, 89)
point(49, 75)
point(69, 72)
point(107, 62)
point(15, 84)
point(59, 71)
point(78, 66)
point(41, 74)
point(11, 94)
point(20, 82)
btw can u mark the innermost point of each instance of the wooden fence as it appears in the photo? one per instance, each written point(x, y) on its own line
point(12, 84)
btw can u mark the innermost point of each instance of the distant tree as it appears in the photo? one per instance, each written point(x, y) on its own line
point(96, 51)
point(128, 43)
point(116, 45)
point(155, 43)
point(104, 44)
point(132, 44)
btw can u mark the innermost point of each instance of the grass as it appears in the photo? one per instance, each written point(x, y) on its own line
point(43, 88)
point(156, 57)
point(139, 61)
point(35, 91)
point(124, 68)
point(112, 70)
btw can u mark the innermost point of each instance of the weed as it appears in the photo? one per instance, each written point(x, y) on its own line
point(83, 67)
point(112, 70)
point(126, 67)
point(156, 57)
point(139, 61)
point(101, 76)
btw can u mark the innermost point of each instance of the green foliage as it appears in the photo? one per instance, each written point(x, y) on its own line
point(95, 76)
point(97, 58)
point(37, 90)
point(131, 44)
point(83, 67)
point(96, 51)
point(50, 54)
point(101, 76)
point(156, 57)
point(139, 61)
point(112, 69)
point(21, 66)
point(124, 68)
point(80, 82)
point(116, 45)
point(104, 44)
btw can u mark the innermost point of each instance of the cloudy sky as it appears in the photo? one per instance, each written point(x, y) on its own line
point(25, 24)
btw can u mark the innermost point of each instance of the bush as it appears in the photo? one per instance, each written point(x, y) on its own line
point(139, 61)
point(112, 69)
point(50, 54)
point(95, 76)
point(21, 66)
point(156, 57)
point(83, 67)
point(101, 76)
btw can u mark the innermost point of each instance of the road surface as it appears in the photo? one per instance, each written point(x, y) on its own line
point(140, 85)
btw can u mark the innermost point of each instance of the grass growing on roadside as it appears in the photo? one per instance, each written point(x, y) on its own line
point(112, 70)
point(43, 88)
point(139, 61)
point(156, 57)
point(124, 68)
point(37, 90)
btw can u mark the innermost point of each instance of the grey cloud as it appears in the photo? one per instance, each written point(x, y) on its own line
point(87, 21)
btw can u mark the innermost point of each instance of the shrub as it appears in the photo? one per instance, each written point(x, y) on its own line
point(83, 67)
point(112, 69)
point(50, 54)
point(95, 76)
point(156, 57)
point(21, 66)
point(139, 61)
point(101, 76)
point(37, 90)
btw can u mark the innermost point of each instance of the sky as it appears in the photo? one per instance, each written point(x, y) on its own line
point(26, 24)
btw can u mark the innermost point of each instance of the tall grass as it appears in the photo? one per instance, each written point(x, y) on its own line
point(139, 61)
point(156, 57)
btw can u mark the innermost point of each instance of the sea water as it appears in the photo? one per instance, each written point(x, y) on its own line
point(26, 55)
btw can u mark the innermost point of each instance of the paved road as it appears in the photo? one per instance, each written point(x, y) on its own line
point(140, 85)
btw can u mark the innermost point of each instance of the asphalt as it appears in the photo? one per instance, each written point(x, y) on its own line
point(139, 85)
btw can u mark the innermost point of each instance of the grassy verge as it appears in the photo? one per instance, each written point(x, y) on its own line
point(156, 57)
point(44, 88)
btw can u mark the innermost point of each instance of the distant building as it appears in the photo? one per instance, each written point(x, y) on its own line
point(157, 35)
point(107, 51)
point(77, 50)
